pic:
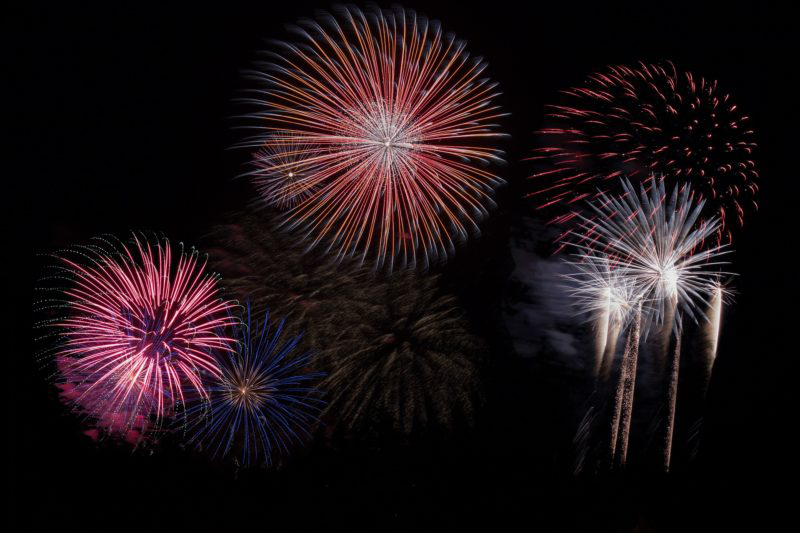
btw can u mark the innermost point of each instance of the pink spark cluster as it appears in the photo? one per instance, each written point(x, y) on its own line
point(140, 333)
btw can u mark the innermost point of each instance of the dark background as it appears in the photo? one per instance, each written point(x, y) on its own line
point(121, 119)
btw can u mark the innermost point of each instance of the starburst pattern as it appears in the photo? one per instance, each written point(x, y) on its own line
point(394, 126)
point(280, 177)
point(141, 330)
point(659, 243)
point(263, 402)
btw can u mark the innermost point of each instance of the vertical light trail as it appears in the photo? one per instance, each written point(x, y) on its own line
point(672, 398)
point(632, 356)
point(610, 349)
point(714, 315)
point(602, 334)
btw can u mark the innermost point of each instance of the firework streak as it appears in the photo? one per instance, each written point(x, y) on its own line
point(388, 125)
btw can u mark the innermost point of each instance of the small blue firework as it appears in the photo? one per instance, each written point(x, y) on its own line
point(264, 400)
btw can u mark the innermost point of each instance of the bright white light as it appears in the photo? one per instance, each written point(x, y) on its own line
point(657, 244)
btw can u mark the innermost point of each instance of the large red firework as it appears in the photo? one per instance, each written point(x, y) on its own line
point(140, 332)
point(387, 121)
point(638, 121)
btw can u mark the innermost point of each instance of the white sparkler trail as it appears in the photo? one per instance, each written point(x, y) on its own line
point(630, 361)
point(714, 315)
point(672, 398)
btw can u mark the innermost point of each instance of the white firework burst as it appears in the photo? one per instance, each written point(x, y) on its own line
point(654, 240)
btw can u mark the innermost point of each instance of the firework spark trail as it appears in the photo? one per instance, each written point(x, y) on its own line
point(711, 333)
point(617, 413)
point(610, 351)
point(634, 121)
point(602, 329)
point(394, 118)
point(665, 333)
point(630, 361)
point(141, 330)
point(672, 398)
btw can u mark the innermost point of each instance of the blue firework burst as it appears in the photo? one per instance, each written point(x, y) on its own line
point(264, 401)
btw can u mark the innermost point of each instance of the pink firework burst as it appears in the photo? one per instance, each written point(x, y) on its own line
point(392, 128)
point(140, 332)
point(650, 119)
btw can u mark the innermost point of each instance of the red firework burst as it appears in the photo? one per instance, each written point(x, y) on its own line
point(141, 330)
point(651, 119)
point(388, 119)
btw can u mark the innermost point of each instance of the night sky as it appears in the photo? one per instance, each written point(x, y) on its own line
point(122, 119)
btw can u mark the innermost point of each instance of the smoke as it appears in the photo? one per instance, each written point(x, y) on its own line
point(535, 312)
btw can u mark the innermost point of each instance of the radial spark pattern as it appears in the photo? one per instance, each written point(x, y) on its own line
point(141, 330)
point(658, 242)
point(391, 126)
point(634, 121)
point(400, 354)
point(280, 176)
point(264, 400)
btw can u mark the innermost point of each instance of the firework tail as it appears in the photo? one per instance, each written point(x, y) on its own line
point(625, 381)
point(610, 350)
point(711, 334)
point(601, 341)
point(630, 361)
point(617, 410)
point(672, 397)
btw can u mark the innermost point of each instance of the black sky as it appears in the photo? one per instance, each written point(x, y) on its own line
point(121, 119)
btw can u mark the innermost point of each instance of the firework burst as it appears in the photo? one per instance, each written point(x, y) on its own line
point(659, 243)
point(644, 250)
point(264, 400)
point(634, 121)
point(401, 354)
point(395, 350)
point(142, 328)
point(390, 126)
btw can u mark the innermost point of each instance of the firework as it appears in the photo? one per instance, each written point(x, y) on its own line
point(279, 177)
point(634, 121)
point(394, 349)
point(607, 296)
point(390, 126)
point(401, 354)
point(141, 329)
point(650, 244)
point(711, 332)
point(264, 399)
point(266, 266)
point(659, 243)
point(628, 384)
